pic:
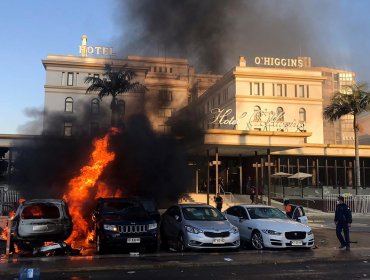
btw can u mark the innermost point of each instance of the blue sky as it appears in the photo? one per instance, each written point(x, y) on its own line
point(32, 29)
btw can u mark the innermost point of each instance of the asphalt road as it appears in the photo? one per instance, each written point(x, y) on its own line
point(325, 261)
point(308, 270)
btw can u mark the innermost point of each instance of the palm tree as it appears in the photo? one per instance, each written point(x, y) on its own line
point(113, 83)
point(354, 100)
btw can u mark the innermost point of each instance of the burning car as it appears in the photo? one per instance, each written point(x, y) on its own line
point(41, 220)
point(123, 222)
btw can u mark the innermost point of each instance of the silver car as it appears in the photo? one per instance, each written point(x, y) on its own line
point(41, 220)
point(197, 226)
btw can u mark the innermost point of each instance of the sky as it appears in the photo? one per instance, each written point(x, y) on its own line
point(32, 29)
point(336, 33)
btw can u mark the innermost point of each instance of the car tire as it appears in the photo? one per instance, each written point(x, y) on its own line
point(257, 240)
point(101, 247)
point(181, 247)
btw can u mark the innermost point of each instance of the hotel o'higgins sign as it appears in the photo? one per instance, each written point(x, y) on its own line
point(261, 120)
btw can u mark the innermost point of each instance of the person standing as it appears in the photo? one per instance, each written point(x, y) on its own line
point(218, 200)
point(252, 193)
point(343, 221)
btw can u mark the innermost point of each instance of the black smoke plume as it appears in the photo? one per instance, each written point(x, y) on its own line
point(213, 33)
point(146, 164)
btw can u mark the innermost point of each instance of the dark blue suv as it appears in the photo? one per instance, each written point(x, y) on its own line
point(122, 222)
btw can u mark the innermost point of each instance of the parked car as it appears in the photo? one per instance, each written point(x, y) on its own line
point(123, 222)
point(266, 226)
point(197, 226)
point(41, 220)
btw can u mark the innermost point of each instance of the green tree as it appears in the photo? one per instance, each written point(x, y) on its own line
point(353, 100)
point(113, 83)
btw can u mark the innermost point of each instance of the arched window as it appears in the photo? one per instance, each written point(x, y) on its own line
point(95, 106)
point(280, 114)
point(257, 113)
point(121, 108)
point(302, 115)
point(68, 105)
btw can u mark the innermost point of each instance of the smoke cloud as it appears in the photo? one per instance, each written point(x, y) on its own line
point(213, 33)
point(145, 164)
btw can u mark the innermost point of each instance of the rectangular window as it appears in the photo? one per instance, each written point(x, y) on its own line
point(160, 69)
point(308, 92)
point(170, 69)
point(70, 79)
point(301, 91)
point(279, 90)
point(165, 112)
point(256, 89)
point(165, 95)
point(285, 90)
point(155, 69)
point(68, 129)
point(263, 89)
point(165, 129)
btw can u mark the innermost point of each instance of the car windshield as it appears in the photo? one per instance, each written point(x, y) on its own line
point(202, 214)
point(266, 213)
point(40, 211)
point(117, 206)
point(126, 209)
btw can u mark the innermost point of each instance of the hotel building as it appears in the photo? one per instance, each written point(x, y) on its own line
point(263, 116)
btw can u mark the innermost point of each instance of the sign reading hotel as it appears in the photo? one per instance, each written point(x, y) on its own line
point(282, 62)
point(263, 120)
point(85, 50)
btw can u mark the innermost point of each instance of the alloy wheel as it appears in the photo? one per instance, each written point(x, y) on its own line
point(257, 240)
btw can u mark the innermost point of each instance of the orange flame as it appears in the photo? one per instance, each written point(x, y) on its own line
point(4, 234)
point(79, 187)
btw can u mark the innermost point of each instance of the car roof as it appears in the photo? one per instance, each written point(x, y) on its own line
point(46, 200)
point(182, 205)
point(254, 205)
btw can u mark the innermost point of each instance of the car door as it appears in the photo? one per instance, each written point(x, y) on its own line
point(248, 226)
point(237, 217)
point(173, 223)
point(244, 223)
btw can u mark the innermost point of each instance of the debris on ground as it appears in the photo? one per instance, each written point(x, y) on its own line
point(56, 249)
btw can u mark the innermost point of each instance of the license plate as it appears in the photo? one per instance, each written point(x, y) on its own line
point(39, 227)
point(133, 240)
point(296, 243)
point(218, 241)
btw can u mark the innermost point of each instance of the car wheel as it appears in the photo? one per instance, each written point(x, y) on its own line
point(100, 245)
point(257, 240)
point(181, 247)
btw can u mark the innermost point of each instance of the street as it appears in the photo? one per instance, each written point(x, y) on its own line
point(325, 261)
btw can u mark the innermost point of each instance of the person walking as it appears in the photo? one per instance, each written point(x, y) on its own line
point(343, 221)
point(218, 200)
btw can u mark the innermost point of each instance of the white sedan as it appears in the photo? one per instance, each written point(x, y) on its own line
point(265, 226)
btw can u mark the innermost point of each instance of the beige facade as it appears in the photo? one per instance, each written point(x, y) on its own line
point(169, 82)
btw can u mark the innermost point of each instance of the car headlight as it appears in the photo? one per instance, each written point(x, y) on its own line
point(234, 230)
point(310, 232)
point(193, 229)
point(152, 226)
point(271, 232)
point(111, 227)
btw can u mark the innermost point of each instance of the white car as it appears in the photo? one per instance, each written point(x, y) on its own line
point(265, 226)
